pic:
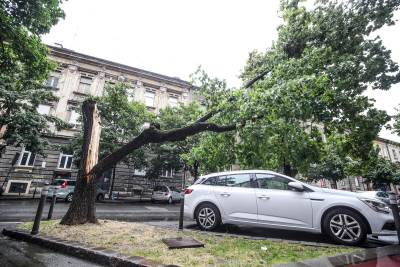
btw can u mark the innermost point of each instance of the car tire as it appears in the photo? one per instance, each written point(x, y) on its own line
point(100, 197)
point(68, 198)
point(207, 217)
point(170, 201)
point(345, 227)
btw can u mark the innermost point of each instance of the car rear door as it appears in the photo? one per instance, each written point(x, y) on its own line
point(235, 194)
point(279, 205)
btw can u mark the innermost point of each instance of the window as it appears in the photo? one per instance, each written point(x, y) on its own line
point(173, 101)
point(394, 155)
point(130, 94)
point(26, 159)
point(84, 85)
point(149, 98)
point(271, 181)
point(74, 117)
point(168, 173)
point(218, 180)
point(238, 180)
point(53, 80)
point(43, 109)
point(65, 161)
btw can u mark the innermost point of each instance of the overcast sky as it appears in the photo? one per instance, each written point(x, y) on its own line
point(174, 37)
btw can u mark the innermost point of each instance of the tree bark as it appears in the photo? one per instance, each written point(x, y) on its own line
point(82, 208)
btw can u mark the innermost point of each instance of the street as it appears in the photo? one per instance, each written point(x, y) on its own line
point(25, 210)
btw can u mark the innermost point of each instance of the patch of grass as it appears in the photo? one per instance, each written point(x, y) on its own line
point(136, 239)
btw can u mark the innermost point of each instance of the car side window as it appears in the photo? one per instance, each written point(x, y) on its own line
point(71, 183)
point(271, 181)
point(217, 180)
point(238, 180)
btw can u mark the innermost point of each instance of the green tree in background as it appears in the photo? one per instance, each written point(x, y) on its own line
point(23, 69)
point(174, 155)
point(396, 125)
point(380, 171)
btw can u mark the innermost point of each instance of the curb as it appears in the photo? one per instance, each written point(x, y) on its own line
point(97, 255)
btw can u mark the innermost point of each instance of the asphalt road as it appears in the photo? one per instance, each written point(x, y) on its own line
point(25, 210)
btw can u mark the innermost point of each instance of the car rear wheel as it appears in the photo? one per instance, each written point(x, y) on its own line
point(100, 197)
point(345, 227)
point(208, 216)
point(68, 198)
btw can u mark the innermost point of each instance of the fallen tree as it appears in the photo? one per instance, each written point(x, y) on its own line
point(82, 208)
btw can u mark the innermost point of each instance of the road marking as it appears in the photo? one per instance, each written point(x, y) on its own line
point(156, 208)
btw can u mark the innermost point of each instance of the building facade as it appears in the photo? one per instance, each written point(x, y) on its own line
point(76, 77)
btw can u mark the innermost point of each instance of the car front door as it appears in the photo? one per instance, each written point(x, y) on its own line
point(280, 205)
point(235, 194)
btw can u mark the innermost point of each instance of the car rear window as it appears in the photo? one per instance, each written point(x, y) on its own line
point(161, 188)
point(58, 182)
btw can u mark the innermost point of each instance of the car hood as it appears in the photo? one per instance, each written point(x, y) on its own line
point(336, 192)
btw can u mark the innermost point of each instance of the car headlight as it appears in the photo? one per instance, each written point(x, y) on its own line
point(376, 205)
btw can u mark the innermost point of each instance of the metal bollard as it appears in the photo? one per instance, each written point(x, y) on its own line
point(395, 211)
point(181, 213)
point(53, 202)
point(39, 212)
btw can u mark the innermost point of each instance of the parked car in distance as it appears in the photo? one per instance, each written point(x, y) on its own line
point(65, 190)
point(269, 199)
point(166, 194)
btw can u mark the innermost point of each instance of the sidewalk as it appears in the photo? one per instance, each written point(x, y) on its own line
point(16, 197)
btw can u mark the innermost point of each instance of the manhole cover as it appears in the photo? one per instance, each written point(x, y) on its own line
point(182, 242)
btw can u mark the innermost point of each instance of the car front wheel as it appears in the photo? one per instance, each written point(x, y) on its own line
point(207, 216)
point(345, 227)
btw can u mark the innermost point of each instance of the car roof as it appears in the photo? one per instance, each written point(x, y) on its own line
point(239, 172)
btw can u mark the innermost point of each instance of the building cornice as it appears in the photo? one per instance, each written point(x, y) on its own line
point(110, 65)
point(387, 141)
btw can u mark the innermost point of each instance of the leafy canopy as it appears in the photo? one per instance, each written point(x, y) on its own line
point(23, 69)
point(318, 69)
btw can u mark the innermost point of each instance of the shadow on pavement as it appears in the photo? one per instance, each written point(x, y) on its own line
point(259, 232)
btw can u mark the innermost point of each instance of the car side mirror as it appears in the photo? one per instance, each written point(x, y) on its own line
point(296, 185)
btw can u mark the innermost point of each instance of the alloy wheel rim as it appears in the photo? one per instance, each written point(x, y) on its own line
point(207, 218)
point(345, 227)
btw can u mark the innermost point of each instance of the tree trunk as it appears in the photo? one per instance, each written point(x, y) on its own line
point(288, 170)
point(82, 208)
point(334, 184)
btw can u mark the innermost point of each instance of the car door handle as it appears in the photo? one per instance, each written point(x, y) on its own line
point(263, 197)
point(225, 194)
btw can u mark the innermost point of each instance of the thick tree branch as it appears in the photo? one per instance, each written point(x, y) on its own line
point(255, 79)
point(153, 135)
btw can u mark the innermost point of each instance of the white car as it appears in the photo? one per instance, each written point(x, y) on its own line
point(269, 199)
point(166, 194)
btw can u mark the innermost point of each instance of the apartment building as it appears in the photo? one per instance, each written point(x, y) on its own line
point(76, 77)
